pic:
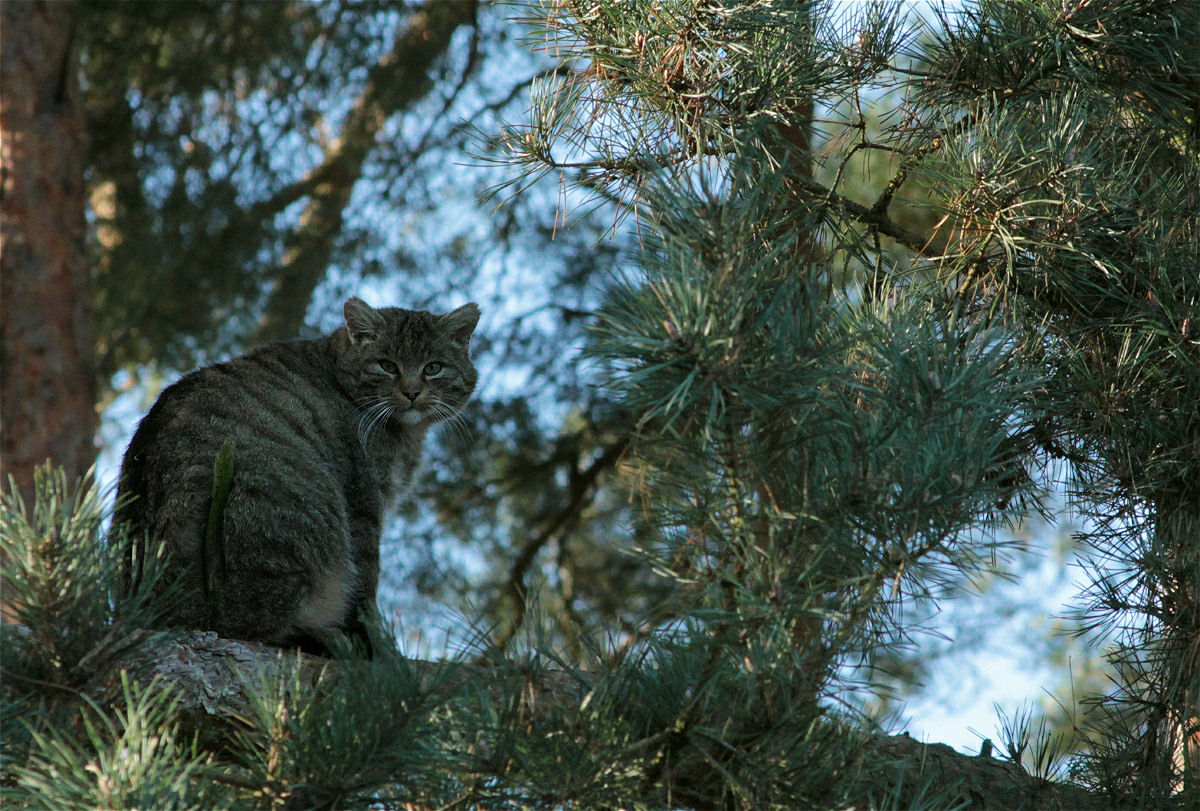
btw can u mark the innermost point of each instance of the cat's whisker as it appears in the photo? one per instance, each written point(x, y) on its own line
point(372, 418)
point(366, 422)
point(365, 417)
point(461, 429)
point(385, 413)
point(368, 403)
point(453, 419)
point(443, 412)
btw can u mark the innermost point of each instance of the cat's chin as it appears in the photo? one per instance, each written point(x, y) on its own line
point(411, 417)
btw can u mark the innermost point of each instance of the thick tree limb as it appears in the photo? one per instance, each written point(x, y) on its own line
point(47, 384)
point(208, 675)
point(397, 81)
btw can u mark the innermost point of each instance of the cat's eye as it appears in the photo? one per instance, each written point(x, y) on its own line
point(388, 366)
point(433, 368)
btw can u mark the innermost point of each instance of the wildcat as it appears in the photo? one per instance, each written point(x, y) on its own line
point(324, 434)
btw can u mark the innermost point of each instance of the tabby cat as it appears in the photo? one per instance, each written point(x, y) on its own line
point(322, 435)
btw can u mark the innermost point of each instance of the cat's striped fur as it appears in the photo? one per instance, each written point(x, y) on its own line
point(325, 433)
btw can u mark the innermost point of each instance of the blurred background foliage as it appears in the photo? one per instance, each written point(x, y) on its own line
point(254, 164)
point(991, 207)
point(229, 137)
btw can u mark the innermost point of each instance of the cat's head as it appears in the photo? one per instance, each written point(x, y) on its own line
point(407, 367)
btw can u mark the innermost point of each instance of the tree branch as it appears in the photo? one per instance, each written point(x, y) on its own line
point(878, 220)
point(580, 490)
point(397, 81)
point(208, 677)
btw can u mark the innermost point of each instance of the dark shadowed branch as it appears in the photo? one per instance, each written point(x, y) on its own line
point(398, 80)
point(580, 490)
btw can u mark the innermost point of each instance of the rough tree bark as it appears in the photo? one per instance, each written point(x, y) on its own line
point(47, 385)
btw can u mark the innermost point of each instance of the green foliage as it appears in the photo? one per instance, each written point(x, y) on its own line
point(1030, 741)
point(77, 734)
point(61, 584)
point(198, 170)
point(827, 433)
point(684, 717)
point(167, 234)
point(362, 733)
point(1077, 206)
point(129, 757)
point(821, 404)
point(678, 721)
point(805, 462)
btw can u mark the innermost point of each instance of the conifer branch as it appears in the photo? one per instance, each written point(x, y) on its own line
point(208, 675)
point(581, 487)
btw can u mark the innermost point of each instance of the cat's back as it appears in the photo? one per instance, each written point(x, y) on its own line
point(278, 381)
point(263, 393)
point(280, 406)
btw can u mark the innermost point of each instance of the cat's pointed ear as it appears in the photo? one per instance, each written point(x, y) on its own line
point(363, 323)
point(461, 323)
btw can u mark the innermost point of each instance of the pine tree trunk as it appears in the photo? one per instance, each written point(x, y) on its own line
point(47, 387)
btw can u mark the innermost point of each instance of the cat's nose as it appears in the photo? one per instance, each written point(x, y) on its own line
point(411, 394)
